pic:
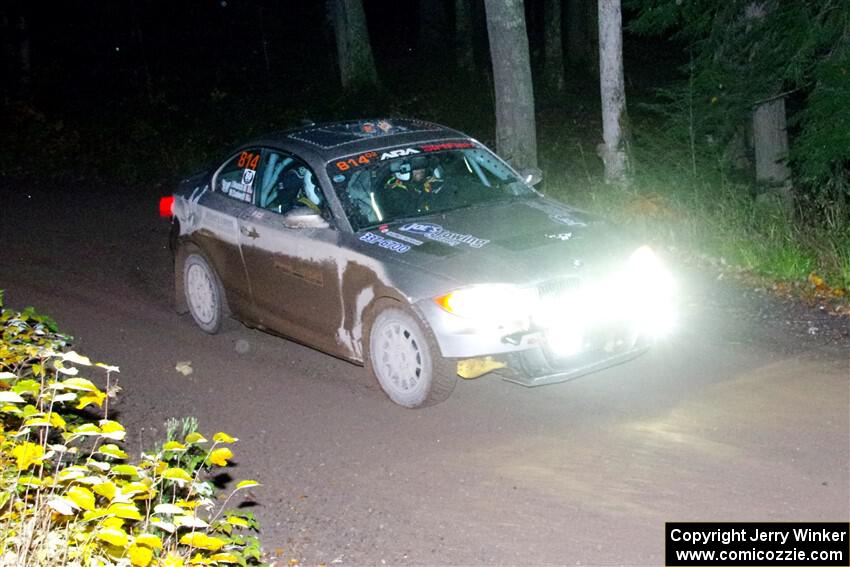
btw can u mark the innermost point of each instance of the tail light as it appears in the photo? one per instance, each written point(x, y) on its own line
point(165, 204)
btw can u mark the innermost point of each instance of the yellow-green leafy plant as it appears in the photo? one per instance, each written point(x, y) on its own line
point(70, 494)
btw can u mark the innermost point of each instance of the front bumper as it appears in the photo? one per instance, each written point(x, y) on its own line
point(534, 357)
point(581, 365)
point(460, 338)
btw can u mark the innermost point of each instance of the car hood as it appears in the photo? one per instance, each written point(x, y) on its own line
point(523, 241)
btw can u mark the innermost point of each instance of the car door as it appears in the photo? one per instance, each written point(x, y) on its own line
point(293, 268)
point(231, 194)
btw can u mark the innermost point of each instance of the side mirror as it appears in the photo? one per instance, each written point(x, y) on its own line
point(304, 217)
point(531, 176)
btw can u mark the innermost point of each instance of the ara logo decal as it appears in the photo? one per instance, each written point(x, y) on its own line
point(398, 153)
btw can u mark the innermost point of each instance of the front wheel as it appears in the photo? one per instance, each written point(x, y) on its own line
point(406, 360)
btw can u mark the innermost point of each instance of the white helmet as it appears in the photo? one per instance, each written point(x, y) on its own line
point(402, 172)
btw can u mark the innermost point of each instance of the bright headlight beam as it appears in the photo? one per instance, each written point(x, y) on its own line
point(652, 291)
point(488, 303)
point(640, 294)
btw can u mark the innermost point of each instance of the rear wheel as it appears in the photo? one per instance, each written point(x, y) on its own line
point(406, 361)
point(204, 293)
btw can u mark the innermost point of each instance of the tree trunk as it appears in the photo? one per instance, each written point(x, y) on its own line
point(464, 33)
point(770, 141)
point(576, 35)
point(553, 60)
point(770, 134)
point(516, 136)
point(6, 68)
point(24, 60)
point(354, 51)
point(264, 44)
point(432, 26)
point(139, 37)
point(615, 129)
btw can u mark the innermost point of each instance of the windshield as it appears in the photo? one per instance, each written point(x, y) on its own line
point(406, 183)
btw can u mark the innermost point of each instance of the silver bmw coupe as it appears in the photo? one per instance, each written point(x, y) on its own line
point(414, 250)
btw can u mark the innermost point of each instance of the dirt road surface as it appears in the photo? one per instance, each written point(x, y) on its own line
point(743, 415)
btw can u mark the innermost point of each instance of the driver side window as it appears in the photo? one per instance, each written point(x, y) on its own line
point(236, 178)
point(287, 183)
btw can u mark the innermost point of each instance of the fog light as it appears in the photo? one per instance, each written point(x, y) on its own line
point(566, 341)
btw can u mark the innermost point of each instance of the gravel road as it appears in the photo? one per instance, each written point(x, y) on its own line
point(743, 415)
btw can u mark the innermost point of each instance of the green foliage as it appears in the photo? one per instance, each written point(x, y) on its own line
point(687, 202)
point(69, 494)
point(822, 149)
point(746, 52)
point(723, 225)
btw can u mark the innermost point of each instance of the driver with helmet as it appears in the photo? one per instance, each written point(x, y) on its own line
point(408, 189)
point(308, 195)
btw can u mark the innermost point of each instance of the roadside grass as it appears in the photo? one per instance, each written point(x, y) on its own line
point(710, 220)
point(685, 198)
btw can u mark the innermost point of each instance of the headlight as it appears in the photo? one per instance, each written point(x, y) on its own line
point(489, 303)
point(648, 270)
point(651, 292)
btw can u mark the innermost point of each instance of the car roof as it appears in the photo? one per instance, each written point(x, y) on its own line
point(336, 139)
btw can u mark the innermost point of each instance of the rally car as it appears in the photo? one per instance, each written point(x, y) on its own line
point(414, 250)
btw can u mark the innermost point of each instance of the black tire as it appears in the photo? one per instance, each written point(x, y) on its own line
point(204, 293)
point(405, 360)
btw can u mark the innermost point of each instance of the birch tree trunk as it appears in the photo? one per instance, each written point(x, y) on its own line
point(516, 135)
point(612, 89)
point(553, 59)
point(464, 33)
point(576, 36)
point(354, 50)
point(770, 134)
point(770, 141)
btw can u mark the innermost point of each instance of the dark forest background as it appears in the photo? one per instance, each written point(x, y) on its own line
point(141, 92)
point(216, 71)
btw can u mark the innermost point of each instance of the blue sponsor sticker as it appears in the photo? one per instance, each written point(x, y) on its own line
point(423, 228)
point(438, 233)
